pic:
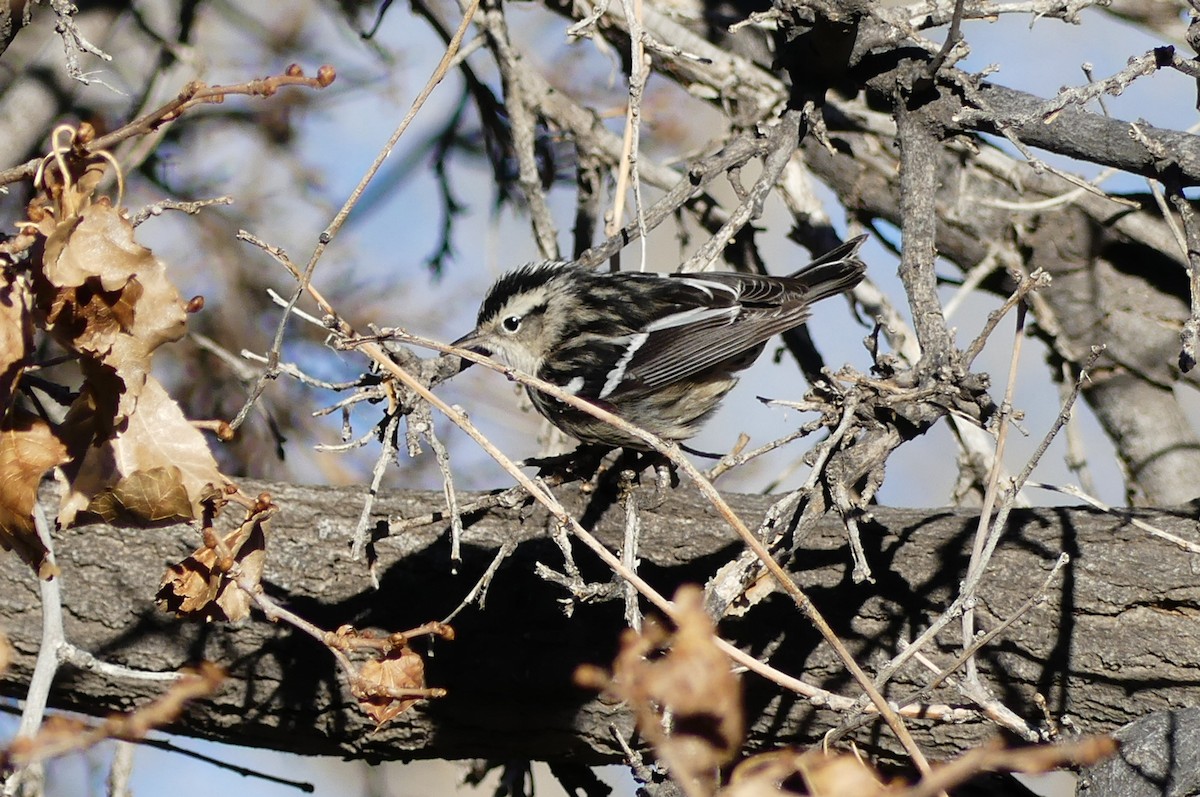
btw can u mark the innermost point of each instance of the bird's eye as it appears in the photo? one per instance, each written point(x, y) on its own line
point(512, 323)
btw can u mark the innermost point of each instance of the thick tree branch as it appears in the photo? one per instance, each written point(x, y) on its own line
point(1105, 648)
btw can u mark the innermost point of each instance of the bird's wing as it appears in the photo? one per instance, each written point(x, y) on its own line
point(679, 347)
point(739, 312)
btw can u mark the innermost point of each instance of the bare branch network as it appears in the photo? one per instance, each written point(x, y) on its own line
point(452, 624)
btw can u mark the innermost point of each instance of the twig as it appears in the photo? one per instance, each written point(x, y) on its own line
point(77, 657)
point(1190, 335)
point(983, 530)
point(387, 451)
point(1137, 67)
point(163, 205)
point(681, 191)
point(627, 168)
point(275, 297)
point(783, 141)
point(331, 231)
point(524, 124)
point(1064, 415)
point(1035, 281)
point(1076, 492)
point(191, 95)
point(912, 650)
point(442, 456)
point(246, 772)
point(331, 640)
point(953, 37)
point(47, 661)
point(479, 591)
point(972, 278)
point(1075, 457)
point(991, 758)
point(120, 770)
point(61, 735)
point(508, 498)
point(629, 549)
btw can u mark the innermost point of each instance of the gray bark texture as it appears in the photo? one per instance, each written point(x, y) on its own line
point(1159, 757)
point(1115, 639)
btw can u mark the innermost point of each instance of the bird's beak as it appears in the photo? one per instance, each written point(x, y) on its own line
point(470, 341)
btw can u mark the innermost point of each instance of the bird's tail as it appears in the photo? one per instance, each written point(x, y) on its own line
point(836, 271)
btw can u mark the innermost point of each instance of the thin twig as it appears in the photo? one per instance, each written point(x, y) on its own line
point(46, 664)
point(523, 121)
point(783, 141)
point(387, 451)
point(983, 530)
point(1075, 492)
point(331, 231)
point(190, 208)
point(193, 94)
point(478, 592)
point(629, 549)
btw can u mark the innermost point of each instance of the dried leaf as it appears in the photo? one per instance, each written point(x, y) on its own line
point(686, 674)
point(96, 243)
point(830, 775)
point(200, 585)
point(16, 334)
point(812, 772)
point(157, 442)
point(28, 448)
point(89, 320)
point(150, 496)
point(383, 682)
point(233, 601)
point(108, 298)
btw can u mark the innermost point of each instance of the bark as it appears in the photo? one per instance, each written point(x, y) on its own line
point(1114, 640)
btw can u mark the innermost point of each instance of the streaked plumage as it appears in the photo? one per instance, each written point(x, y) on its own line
point(660, 350)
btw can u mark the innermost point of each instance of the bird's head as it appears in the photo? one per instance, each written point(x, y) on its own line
point(522, 317)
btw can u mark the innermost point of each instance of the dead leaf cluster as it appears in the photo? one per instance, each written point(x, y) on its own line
point(392, 680)
point(213, 582)
point(128, 452)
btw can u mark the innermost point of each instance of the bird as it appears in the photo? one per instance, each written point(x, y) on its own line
point(658, 350)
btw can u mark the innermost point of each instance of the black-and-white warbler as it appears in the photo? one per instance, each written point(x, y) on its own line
point(659, 350)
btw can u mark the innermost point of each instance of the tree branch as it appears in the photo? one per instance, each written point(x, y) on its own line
point(1110, 629)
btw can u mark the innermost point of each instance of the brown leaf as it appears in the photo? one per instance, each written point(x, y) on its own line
point(107, 297)
point(16, 334)
point(687, 674)
point(383, 683)
point(28, 448)
point(145, 497)
point(96, 243)
point(158, 442)
point(812, 772)
point(200, 585)
point(233, 601)
point(88, 320)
